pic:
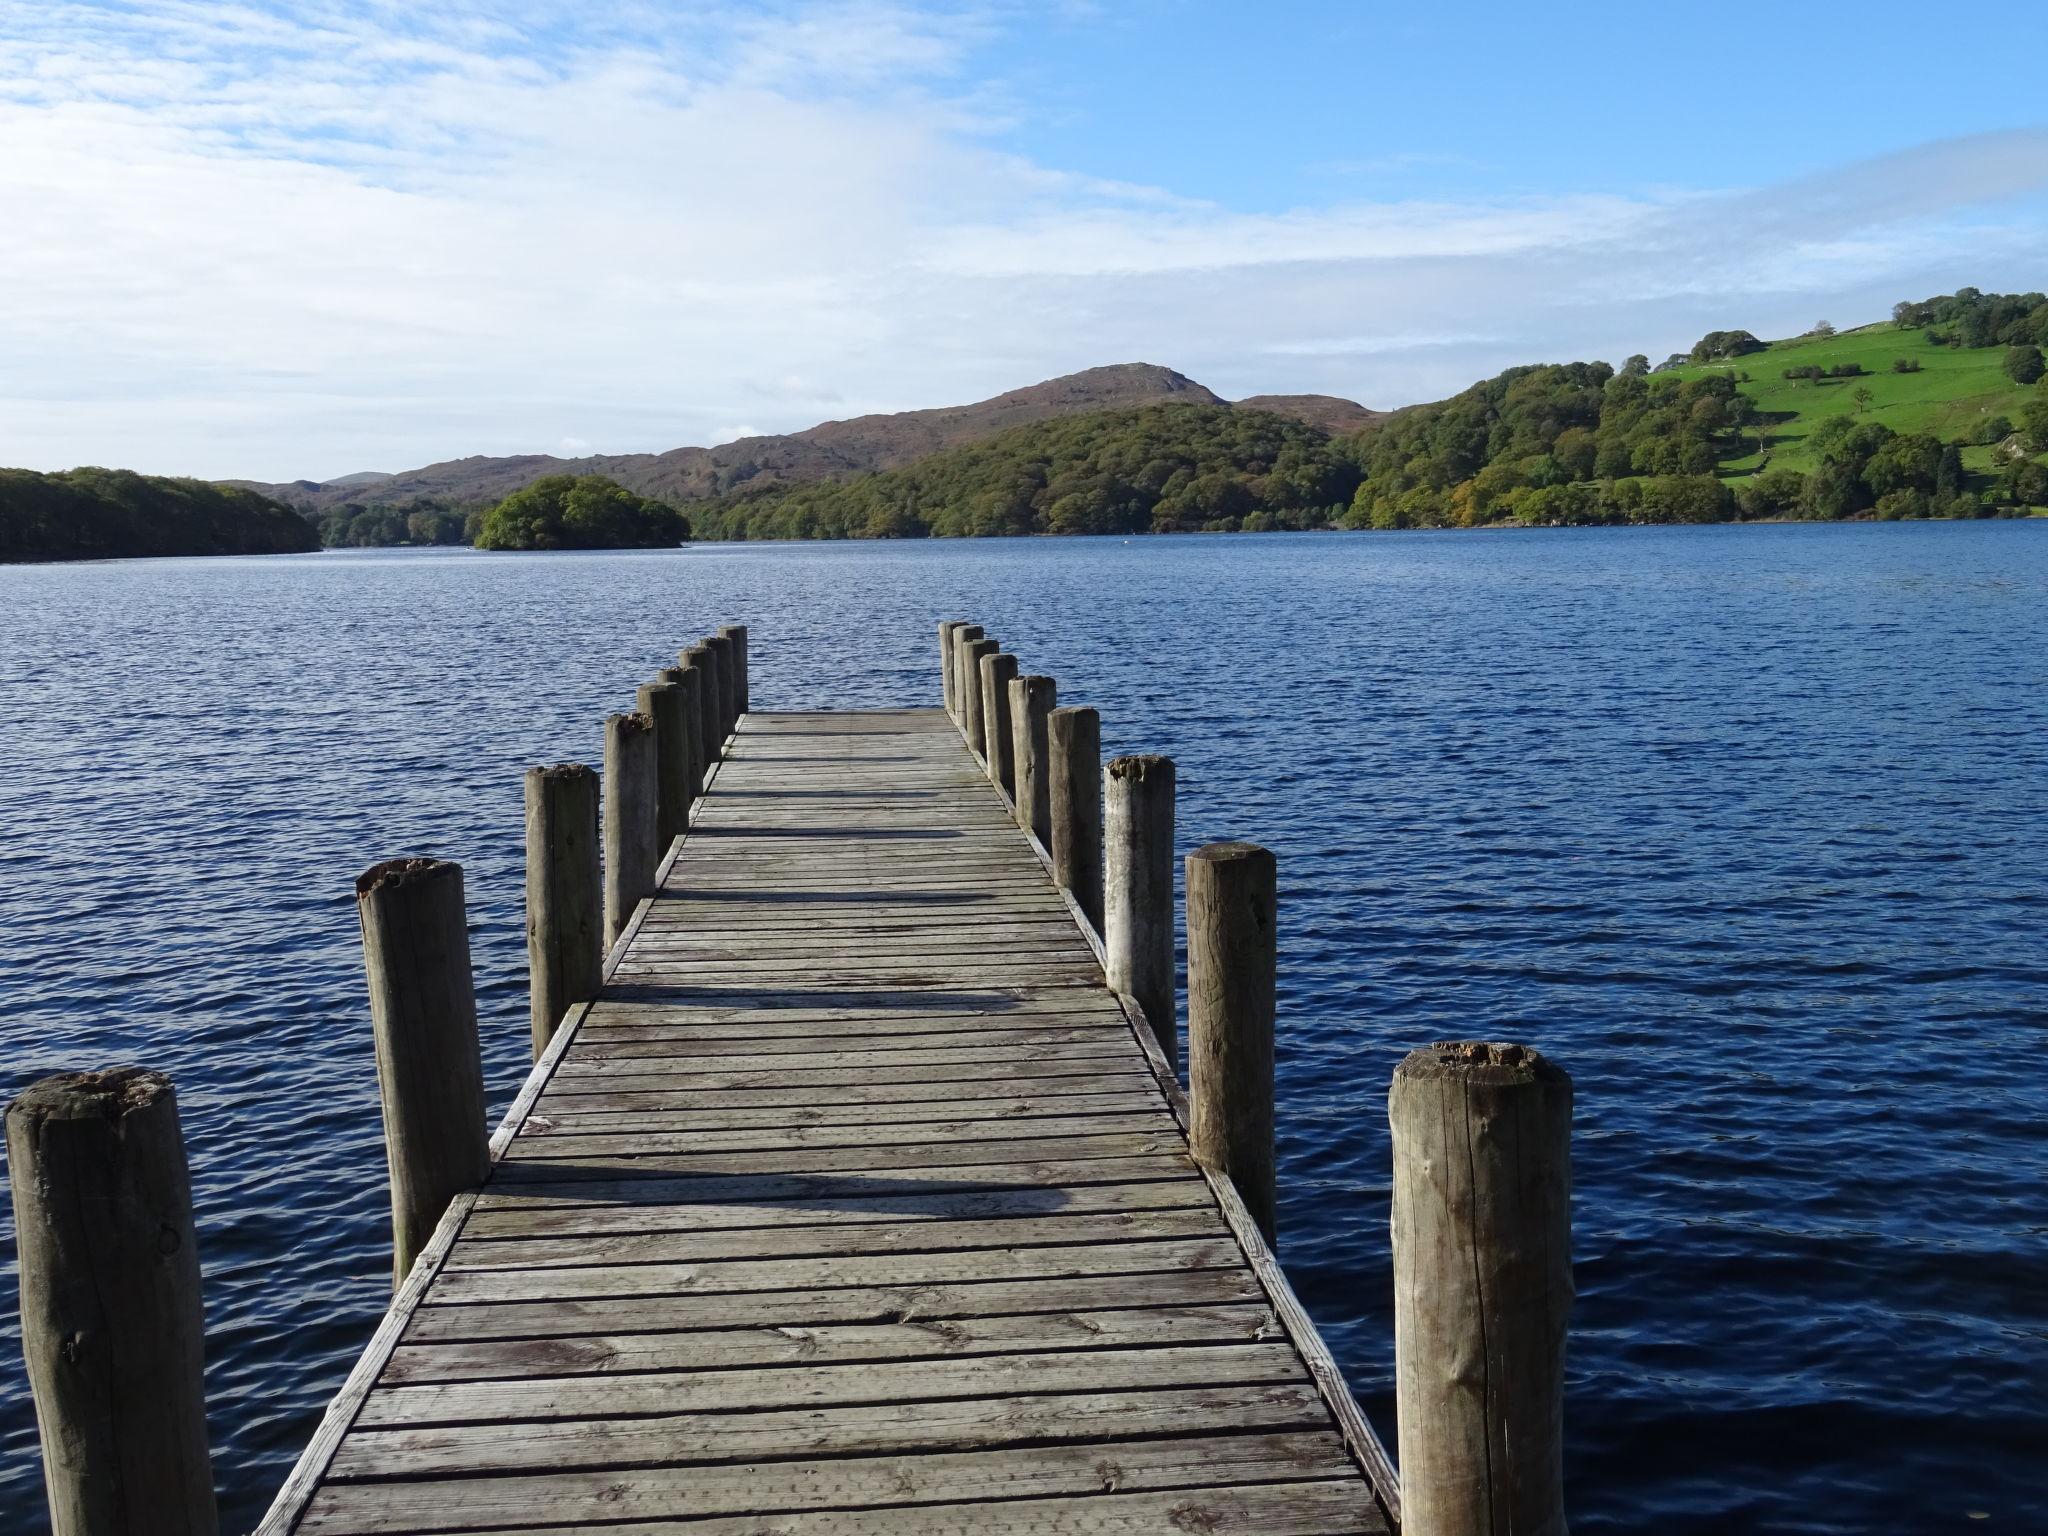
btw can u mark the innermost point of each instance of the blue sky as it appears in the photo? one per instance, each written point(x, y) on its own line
point(279, 240)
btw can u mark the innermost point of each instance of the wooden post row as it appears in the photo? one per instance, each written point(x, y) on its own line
point(630, 791)
point(997, 669)
point(1137, 888)
point(1482, 1287)
point(1031, 703)
point(423, 1013)
point(1231, 957)
point(1074, 750)
point(111, 1322)
point(564, 895)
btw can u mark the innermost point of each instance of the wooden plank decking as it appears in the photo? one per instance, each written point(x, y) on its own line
point(855, 1204)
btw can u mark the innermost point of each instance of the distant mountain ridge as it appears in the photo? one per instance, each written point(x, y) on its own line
point(831, 448)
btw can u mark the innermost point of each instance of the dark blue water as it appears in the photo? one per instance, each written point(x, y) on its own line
point(1744, 826)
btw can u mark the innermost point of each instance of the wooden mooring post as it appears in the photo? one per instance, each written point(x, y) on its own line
point(700, 659)
point(736, 634)
point(631, 853)
point(691, 680)
point(946, 666)
point(1482, 1287)
point(423, 1013)
point(1031, 702)
point(662, 702)
point(111, 1324)
point(997, 669)
point(564, 895)
point(1137, 888)
point(975, 728)
point(1231, 901)
point(1074, 776)
point(722, 664)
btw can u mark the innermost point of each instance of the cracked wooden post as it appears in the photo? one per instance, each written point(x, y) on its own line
point(111, 1324)
point(630, 857)
point(1137, 888)
point(1231, 895)
point(946, 628)
point(423, 1013)
point(564, 896)
point(1482, 1288)
point(737, 634)
point(1074, 747)
point(974, 727)
point(662, 702)
point(1031, 701)
point(699, 659)
point(997, 668)
point(721, 648)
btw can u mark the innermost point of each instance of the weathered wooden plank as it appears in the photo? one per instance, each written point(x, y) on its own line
point(582, 1069)
point(536, 1185)
point(815, 1386)
point(900, 1302)
point(557, 1143)
point(858, 1430)
point(832, 1101)
point(514, 1219)
point(828, 1344)
point(906, 1238)
point(716, 1277)
point(708, 1047)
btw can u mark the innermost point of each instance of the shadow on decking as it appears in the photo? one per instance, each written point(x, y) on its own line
point(854, 793)
point(932, 1000)
point(837, 834)
point(834, 898)
point(1001, 1193)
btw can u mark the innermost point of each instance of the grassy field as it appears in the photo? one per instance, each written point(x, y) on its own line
point(1955, 390)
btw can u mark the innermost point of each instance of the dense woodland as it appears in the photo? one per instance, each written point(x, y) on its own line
point(580, 512)
point(96, 514)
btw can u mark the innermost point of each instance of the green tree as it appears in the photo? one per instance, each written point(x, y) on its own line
point(2023, 363)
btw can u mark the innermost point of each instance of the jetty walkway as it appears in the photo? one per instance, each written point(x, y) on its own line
point(855, 1203)
point(853, 1190)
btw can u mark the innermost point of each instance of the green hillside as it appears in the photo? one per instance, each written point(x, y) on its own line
point(1953, 395)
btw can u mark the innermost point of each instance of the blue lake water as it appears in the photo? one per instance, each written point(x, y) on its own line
point(1743, 826)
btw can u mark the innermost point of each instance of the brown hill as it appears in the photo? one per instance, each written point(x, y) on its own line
point(831, 448)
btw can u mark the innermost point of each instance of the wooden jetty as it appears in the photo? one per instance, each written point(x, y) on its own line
point(851, 1196)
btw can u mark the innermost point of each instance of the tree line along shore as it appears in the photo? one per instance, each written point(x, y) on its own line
point(1941, 411)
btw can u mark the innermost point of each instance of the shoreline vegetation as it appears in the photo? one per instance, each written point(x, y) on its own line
point(1941, 412)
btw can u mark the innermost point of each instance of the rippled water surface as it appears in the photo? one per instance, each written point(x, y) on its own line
point(1743, 826)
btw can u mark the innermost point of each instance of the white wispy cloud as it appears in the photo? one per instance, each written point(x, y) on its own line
point(243, 239)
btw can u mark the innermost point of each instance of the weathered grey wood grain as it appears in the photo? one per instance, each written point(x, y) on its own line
point(1137, 897)
point(1482, 1287)
point(564, 895)
point(1232, 914)
point(632, 846)
point(110, 1306)
point(423, 1016)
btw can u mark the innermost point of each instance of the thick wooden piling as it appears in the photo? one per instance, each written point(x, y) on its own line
point(1031, 701)
point(663, 704)
point(691, 681)
point(946, 628)
point(974, 727)
point(964, 635)
point(700, 659)
point(1482, 1287)
point(564, 895)
point(631, 854)
point(1074, 753)
point(737, 634)
point(1231, 893)
point(1137, 888)
point(423, 1013)
point(722, 669)
point(997, 744)
point(111, 1326)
